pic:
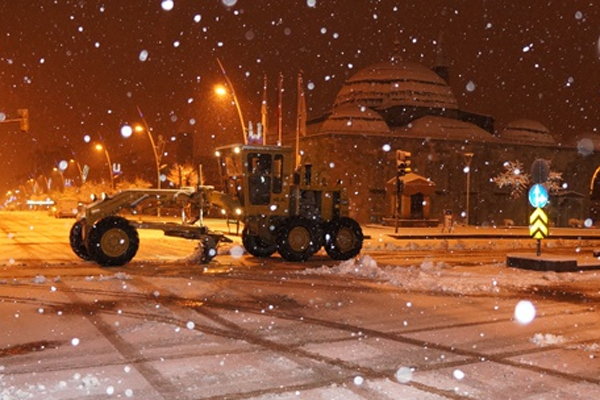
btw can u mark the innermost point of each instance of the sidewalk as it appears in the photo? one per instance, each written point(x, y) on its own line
point(462, 231)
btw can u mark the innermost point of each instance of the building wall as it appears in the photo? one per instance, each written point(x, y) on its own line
point(360, 164)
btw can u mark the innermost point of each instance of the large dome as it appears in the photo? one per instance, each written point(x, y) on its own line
point(527, 131)
point(397, 83)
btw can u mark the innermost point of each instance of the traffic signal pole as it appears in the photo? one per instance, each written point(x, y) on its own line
point(23, 119)
point(402, 168)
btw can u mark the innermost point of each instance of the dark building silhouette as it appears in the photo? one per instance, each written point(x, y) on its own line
point(402, 105)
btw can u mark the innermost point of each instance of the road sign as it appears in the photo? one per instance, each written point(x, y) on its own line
point(538, 196)
point(538, 224)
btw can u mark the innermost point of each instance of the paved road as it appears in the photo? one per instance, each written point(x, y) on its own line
point(163, 328)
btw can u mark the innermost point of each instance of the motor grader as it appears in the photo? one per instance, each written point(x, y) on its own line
point(281, 208)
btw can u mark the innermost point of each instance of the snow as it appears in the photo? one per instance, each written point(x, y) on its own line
point(106, 332)
point(439, 277)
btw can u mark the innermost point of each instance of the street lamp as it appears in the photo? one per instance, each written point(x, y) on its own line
point(467, 170)
point(221, 91)
point(155, 151)
point(62, 177)
point(81, 178)
point(99, 147)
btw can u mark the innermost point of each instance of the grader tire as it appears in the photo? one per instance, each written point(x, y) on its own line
point(112, 241)
point(256, 246)
point(296, 239)
point(76, 241)
point(344, 239)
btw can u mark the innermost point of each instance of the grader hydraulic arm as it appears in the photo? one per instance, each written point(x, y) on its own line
point(101, 235)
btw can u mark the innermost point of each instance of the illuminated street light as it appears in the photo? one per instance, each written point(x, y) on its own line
point(157, 150)
point(99, 147)
point(81, 178)
point(221, 91)
point(62, 177)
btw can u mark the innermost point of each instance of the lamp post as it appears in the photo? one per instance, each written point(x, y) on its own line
point(157, 150)
point(467, 170)
point(221, 91)
point(62, 178)
point(99, 147)
point(81, 178)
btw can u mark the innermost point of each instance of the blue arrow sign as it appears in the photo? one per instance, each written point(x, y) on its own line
point(538, 196)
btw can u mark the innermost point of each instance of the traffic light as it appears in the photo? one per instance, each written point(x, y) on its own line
point(403, 162)
point(24, 119)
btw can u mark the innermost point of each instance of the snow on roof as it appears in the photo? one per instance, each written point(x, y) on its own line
point(528, 132)
point(397, 83)
point(413, 184)
point(354, 118)
point(446, 128)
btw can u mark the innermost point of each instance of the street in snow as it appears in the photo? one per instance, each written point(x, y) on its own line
point(415, 318)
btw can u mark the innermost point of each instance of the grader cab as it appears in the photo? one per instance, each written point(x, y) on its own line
point(284, 211)
point(280, 211)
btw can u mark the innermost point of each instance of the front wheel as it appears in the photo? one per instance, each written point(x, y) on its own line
point(344, 239)
point(296, 239)
point(112, 241)
point(76, 241)
point(256, 245)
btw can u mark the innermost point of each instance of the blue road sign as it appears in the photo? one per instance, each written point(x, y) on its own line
point(538, 196)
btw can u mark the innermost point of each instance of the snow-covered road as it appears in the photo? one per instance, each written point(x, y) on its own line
point(381, 326)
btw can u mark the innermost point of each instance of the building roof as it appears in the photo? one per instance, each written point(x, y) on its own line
point(397, 83)
point(353, 118)
point(434, 127)
point(527, 132)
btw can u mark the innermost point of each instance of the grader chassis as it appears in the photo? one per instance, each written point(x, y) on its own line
point(280, 211)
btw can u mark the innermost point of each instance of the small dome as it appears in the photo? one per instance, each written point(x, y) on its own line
point(352, 118)
point(397, 83)
point(528, 132)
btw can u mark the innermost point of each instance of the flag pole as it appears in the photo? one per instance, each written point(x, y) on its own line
point(301, 117)
point(263, 112)
point(280, 111)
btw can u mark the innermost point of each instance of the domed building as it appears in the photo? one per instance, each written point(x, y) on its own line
point(525, 131)
point(402, 105)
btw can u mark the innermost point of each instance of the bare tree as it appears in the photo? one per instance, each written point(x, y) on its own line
point(518, 182)
point(513, 178)
point(183, 175)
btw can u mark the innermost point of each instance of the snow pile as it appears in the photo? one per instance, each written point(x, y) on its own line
point(120, 276)
point(365, 267)
point(429, 276)
point(439, 277)
point(548, 339)
point(41, 279)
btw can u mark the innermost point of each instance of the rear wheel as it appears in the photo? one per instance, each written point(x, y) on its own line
point(256, 245)
point(112, 241)
point(344, 239)
point(76, 241)
point(296, 239)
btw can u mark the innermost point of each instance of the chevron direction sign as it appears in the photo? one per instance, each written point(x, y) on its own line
point(538, 224)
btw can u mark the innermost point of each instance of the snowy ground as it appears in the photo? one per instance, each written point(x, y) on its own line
point(422, 319)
